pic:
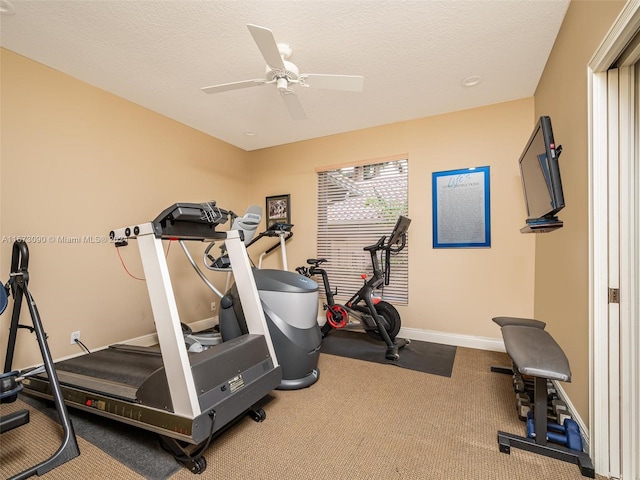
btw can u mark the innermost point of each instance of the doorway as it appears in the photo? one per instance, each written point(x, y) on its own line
point(614, 254)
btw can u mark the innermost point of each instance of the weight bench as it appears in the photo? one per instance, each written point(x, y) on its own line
point(535, 353)
point(524, 322)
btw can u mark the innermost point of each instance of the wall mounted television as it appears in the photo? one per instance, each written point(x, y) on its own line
point(541, 182)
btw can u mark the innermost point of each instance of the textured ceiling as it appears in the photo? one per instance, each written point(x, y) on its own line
point(412, 54)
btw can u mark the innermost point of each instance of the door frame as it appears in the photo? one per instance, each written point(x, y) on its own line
point(613, 137)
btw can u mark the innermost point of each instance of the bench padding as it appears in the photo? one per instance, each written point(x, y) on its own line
point(534, 352)
point(524, 322)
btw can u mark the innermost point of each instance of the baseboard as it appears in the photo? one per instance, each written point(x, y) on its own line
point(469, 341)
point(146, 340)
point(152, 338)
point(457, 340)
point(574, 414)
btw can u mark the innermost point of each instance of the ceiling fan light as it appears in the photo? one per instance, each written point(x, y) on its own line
point(6, 8)
point(282, 84)
point(471, 81)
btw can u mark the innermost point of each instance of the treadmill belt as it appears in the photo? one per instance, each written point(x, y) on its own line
point(113, 365)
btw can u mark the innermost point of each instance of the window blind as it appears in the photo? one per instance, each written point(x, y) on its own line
point(356, 206)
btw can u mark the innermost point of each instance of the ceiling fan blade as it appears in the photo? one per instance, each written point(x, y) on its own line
point(233, 86)
point(348, 83)
point(267, 45)
point(292, 102)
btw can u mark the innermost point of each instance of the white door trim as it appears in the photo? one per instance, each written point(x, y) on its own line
point(613, 365)
point(598, 278)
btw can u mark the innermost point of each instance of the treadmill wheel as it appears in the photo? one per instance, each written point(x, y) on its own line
point(197, 465)
point(258, 415)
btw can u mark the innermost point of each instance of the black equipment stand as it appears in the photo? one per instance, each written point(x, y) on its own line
point(18, 284)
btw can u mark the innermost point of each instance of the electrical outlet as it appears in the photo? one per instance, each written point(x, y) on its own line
point(213, 306)
point(75, 336)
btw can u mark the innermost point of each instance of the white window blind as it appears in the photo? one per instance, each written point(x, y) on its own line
point(356, 206)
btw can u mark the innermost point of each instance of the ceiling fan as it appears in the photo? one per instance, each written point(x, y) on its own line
point(283, 74)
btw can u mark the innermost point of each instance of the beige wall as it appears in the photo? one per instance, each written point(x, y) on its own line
point(562, 261)
point(452, 291)
point(78, 161)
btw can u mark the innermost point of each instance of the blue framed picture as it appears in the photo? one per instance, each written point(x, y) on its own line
point(461, 208)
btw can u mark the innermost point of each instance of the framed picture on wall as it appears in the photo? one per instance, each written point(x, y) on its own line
point(278, 210)
point(461, 208)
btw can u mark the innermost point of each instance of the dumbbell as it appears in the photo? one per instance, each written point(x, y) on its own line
point(551, 390)
point(567, 434)
point(518, 384)
point(559, 410)
point(522, 384)
point(556, 405)
point(523, 405)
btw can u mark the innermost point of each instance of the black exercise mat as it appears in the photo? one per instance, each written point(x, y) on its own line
point(424, 357)
point(136, 448)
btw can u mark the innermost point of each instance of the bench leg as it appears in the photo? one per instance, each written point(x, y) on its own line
point(508, 440)
point(501, 369)
point(539, 445)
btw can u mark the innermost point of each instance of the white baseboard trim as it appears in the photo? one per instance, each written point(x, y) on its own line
point(455, 339)
point(469, 341)
point(146, 340)
point(152, 338)
point(583, 428)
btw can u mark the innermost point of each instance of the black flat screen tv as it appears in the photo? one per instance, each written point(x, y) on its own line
point(540, 173)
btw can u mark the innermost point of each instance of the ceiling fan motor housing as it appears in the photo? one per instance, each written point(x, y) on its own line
point(289, 73)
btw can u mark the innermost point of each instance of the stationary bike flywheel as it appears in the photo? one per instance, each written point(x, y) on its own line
point(337, 316)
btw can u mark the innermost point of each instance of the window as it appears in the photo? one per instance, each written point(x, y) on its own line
point(356, 206)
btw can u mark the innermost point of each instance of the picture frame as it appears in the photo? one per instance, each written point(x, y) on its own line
point(278, 209)
point(461, 208)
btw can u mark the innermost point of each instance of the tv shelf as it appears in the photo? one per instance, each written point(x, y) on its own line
point(541, 225)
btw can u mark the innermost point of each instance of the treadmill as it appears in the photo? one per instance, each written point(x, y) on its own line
point(185, 397)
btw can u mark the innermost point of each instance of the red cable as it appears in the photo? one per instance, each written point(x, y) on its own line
point(125, 267)
point(127, 270)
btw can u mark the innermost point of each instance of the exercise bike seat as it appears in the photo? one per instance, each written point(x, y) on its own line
point(316, 261)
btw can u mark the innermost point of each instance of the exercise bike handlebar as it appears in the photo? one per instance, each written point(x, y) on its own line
point(388, 249)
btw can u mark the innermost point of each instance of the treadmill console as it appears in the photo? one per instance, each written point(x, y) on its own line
point(190, 221)
point(181, 221)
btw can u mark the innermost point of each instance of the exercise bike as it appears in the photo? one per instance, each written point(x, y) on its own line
point(379, 319)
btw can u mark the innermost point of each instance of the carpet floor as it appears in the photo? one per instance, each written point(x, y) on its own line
point(361, 420)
